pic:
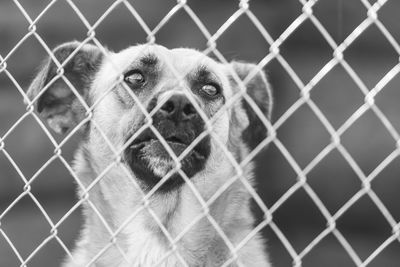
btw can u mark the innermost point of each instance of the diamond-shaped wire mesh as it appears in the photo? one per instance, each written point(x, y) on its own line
point(303, 150)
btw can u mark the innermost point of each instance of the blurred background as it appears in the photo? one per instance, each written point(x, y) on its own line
point(304, 136)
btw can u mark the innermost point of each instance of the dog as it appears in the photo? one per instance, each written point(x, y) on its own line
point(135, 97)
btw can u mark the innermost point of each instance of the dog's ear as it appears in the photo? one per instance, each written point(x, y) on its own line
point(259, 90)
point(58, 104)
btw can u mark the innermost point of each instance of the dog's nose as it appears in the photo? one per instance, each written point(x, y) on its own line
point(178, 106)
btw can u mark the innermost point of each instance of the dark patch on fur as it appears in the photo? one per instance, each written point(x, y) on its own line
point(149, 60)
point(59, 100)
point(79, 70)
point(259, 91)
point(235, 138)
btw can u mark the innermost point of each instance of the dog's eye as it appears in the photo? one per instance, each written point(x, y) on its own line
point(134, 77)
point(210, 89)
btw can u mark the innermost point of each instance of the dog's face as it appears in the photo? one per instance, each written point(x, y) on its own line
point(155, 106)
point(161, 79)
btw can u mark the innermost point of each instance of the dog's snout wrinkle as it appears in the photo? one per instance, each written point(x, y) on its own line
point(178, 107)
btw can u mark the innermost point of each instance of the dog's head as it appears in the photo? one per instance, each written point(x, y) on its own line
point(155, 105)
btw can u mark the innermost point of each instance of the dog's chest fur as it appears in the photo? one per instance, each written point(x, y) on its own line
point(144, 243)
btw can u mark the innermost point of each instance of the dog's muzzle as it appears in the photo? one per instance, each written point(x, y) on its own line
point(179, 124)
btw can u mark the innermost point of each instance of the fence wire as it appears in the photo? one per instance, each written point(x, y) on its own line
point(243, 9)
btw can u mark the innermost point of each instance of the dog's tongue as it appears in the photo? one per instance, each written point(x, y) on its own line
point(156, 149)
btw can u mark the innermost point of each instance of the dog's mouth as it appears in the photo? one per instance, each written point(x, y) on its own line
point(151, 158)
point(167, 147)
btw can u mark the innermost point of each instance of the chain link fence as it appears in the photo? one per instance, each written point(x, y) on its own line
point(300, 182)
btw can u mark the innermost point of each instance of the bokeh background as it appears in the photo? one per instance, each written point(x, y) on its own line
point(303, 135)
